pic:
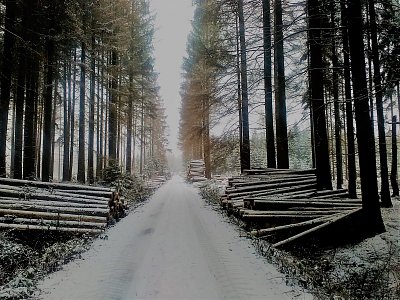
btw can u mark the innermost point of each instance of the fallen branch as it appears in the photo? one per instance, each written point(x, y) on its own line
point(266, 231)
point(309, 231)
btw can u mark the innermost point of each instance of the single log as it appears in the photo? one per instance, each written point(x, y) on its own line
point(64, 210)
point(280, 171)
point(287, 204)
point(103, 205)
point(43, 196)
point(51, 216)
point(267, 231)
point(54, 223)
point(94, 195)
point(314, 229)
point(50, 228)
point(271, 191)
point(293, 212)
point(333, 196)
point(330, 192)
point(273, 181)
point(65, 186)
point(297, 193)
point(277, 185)
point(280, 216)
point(277, 175)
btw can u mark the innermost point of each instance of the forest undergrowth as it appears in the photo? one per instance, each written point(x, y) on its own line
point(366, 269)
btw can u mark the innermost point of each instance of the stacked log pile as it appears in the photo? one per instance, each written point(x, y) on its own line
point(284, 205)
point(156, 182)
point(33, 205)
point(196, 171)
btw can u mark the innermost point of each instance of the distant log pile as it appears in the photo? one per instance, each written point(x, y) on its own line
point(156, 182)
point(196, 171)
point(33, 205)
point(283, 206)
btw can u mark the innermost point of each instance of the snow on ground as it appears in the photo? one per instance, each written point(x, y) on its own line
point(175, 246)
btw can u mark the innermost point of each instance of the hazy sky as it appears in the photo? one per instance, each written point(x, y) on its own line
point(173, 25)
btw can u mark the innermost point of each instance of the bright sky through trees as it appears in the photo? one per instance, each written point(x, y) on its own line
point(173, 24)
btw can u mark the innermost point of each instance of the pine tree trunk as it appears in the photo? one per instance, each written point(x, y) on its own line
point(30, 126)
point(282, 148)
point(47, 111)
point(351, 151)
point(112, 119)
point(128, 166)
point(91, 112)
point(67, 118)
point(71, 153)
point(53, 127)
point(19, 113)
point(206, 135)
point(317, 98)
point(366, 147)
point(12, 129)
point(338, 122)
point(100, 151)
point(81, 177)
point(245, 154)
point(5, 81)
point(239, 89)
point(385, 192)
point(269, 121)
point(393, 171)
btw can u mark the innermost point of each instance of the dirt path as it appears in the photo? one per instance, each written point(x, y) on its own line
point(173, 247)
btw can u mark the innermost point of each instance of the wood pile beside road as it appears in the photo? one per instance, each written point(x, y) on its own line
point(196, 171)
point(34, 205)
point(283, 206)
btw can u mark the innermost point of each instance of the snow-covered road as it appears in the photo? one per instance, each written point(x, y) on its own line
point(175, 246)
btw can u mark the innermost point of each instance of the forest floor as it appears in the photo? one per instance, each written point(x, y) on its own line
point(176, 245)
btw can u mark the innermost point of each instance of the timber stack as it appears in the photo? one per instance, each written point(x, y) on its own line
point(196, 171)
point(284, 206)
point(34, 205)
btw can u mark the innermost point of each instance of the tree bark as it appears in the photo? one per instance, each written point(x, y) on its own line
point(67, 118)
point(335, 88)
point(385, 192)
point(245, 154)
point(71, 152)
point(393, 171)
point(269, 121)
point(112, 119)
point(282, 148)
point(5, 81)
point(19, 113)
point(81, 177)
point(90, 174)
point(31, 115)
point(351, 151)
point(366, 147)
point(128, 166)
point(323, 169)
point(47, 111)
